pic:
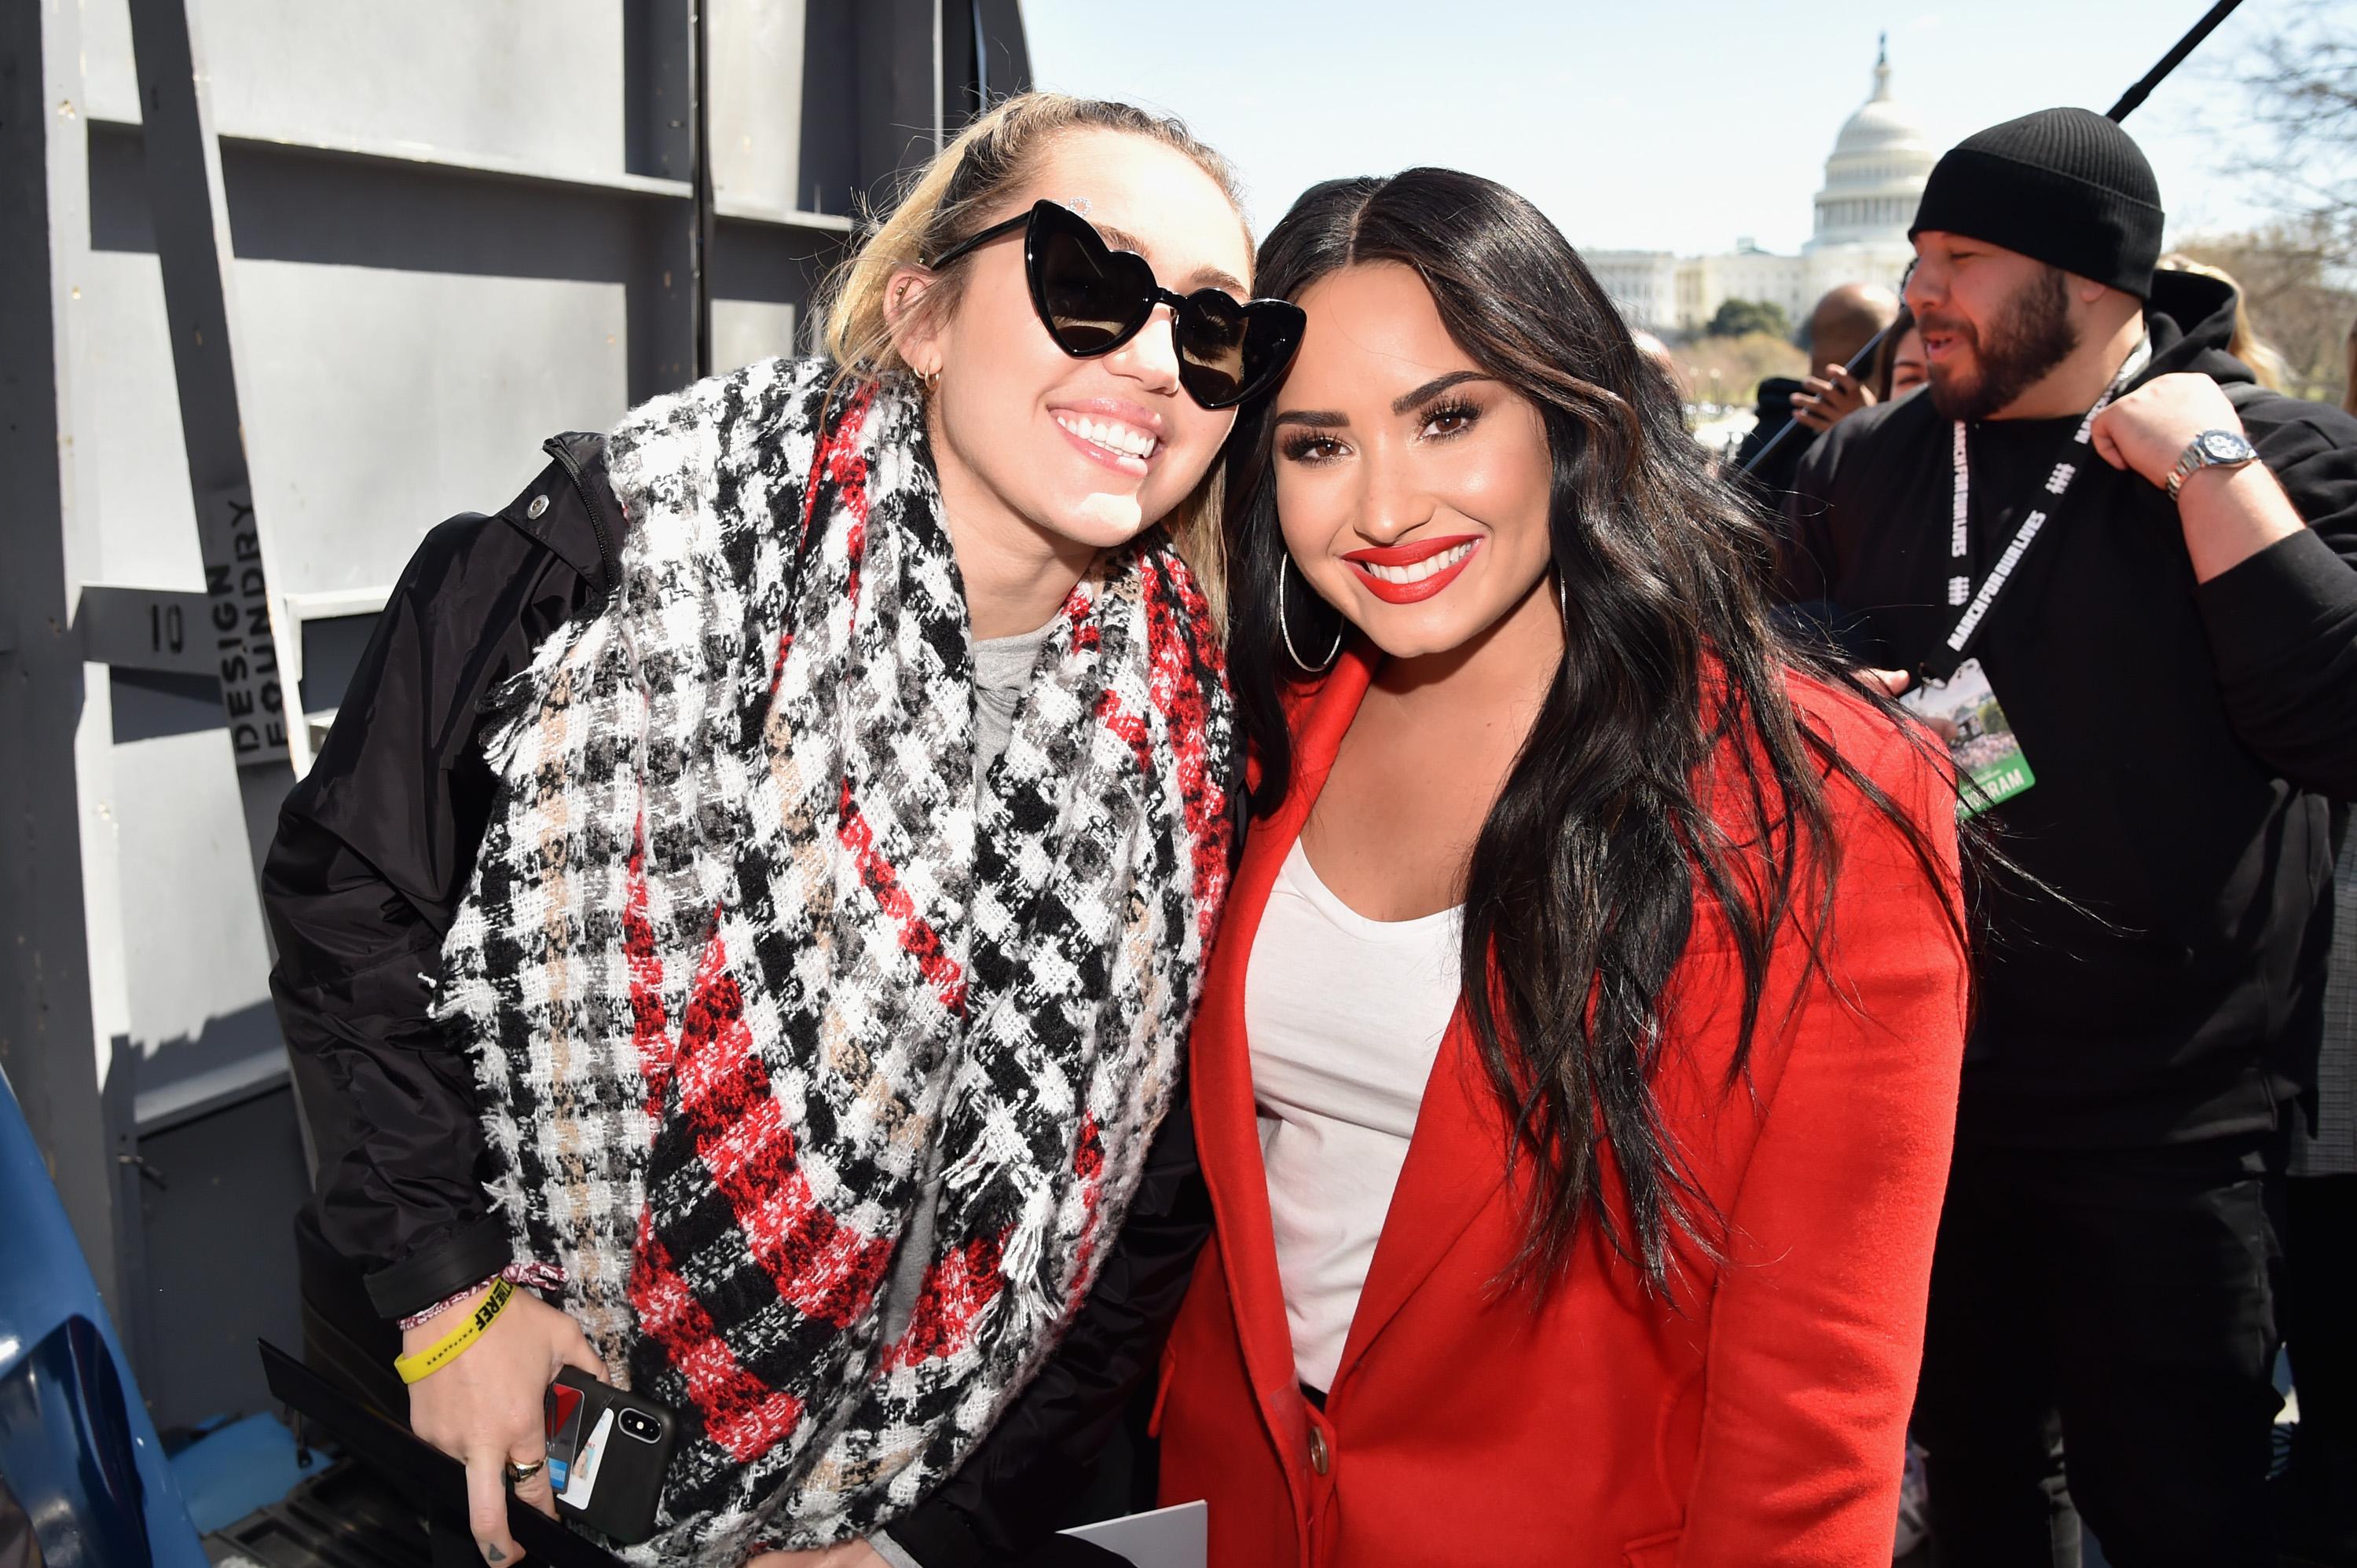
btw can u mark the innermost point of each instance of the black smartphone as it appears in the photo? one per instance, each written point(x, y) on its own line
point(608, 1450)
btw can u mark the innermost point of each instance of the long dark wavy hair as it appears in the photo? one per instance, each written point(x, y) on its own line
point(1580, 895)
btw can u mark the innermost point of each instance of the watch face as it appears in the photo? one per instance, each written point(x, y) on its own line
point(2222, 447)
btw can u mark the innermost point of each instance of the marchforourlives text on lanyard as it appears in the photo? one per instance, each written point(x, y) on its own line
point(1945, 659)
point(1952, 694)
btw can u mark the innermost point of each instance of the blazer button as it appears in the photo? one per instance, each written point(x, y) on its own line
point(1321, 1459)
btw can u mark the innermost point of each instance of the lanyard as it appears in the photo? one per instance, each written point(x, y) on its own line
point(1975, 606)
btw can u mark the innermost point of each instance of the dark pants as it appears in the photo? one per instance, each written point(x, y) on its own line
point(2321, 1321)
point(2116, 1306)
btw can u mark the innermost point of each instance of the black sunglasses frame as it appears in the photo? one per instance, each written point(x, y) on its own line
point(1284, 319)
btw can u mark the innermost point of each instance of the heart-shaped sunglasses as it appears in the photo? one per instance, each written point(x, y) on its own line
point(1093, 298)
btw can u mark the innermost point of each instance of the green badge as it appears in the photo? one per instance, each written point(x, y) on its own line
point(1962, 710)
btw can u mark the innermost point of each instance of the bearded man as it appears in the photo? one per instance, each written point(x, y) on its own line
point(2125, 579)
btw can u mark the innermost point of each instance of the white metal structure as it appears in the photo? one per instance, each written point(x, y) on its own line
point(284, 284)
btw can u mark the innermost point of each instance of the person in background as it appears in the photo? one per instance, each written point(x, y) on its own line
point(1845, 321)
point(2348, 372)
point(1575, 1080)
point(2266, 364)
point(2318, 1514)
point(2318, 1518)
point(1657, 354)
point(2152, 563)
point(756, 890)
point(1841, 322)
point(1899, 369)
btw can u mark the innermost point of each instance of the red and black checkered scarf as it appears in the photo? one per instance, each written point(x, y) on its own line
point(755, 974)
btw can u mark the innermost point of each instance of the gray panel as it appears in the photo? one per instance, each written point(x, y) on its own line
point(146, 705)
point(192, 937)
point(828, 177)
point(145, 522)
point(755, 72)
point(747, 331)
point(332, 647)
point(219, 1264)
point(771, 277)
point(535, 81)
point(298, 205)
point(435, 402)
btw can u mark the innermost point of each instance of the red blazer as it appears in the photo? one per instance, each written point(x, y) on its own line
point(1764, 1425)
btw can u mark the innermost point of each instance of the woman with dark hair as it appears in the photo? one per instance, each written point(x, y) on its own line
point(1899, 368)
point(1577, 1064)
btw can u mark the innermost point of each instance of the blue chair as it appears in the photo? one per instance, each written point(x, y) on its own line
point(77, 1449)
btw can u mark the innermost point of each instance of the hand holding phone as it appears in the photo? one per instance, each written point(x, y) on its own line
point(607, 1451)
point(483, 1408)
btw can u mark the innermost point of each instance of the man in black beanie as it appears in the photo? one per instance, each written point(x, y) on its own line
point(2124, 578)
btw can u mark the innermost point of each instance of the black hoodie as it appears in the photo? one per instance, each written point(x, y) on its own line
point(2185, 738)
point(1771, 483)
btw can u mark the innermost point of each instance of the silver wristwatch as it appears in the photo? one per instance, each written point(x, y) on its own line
point(2211, 449)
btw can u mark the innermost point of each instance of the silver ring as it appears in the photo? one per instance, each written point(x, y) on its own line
point(518, 1474)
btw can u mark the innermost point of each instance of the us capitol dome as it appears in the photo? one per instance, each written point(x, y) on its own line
point(1876, 174)
point(1873, 178)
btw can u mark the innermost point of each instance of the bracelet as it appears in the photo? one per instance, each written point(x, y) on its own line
point(537, 1275)
point(445, 1350)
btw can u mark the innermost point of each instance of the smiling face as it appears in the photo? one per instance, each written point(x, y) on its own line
point(1413, 489)
point(1035, 446)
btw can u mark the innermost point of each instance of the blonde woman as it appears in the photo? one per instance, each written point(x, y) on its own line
point(2266, 362)
point(773, 861)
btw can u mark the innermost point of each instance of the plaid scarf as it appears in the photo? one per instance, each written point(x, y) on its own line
point(753, 973)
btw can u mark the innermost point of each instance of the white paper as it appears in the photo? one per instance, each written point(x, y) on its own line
point(584, 1479)
point(1177, 1537)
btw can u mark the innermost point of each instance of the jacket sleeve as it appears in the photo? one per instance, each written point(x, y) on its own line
point(1817, 1329)
point(1004, 1503)
point(374, 849)
point(2283, 624)
point(1805, 567)
point(1808, 563)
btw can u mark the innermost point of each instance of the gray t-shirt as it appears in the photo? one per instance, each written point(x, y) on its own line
point(1002, 673)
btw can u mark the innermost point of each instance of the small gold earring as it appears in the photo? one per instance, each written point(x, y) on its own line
point(932, 380)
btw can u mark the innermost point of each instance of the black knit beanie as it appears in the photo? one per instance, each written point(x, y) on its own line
point(2063, 186)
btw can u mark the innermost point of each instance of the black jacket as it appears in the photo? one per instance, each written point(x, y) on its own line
point(2185, 740)
point(1769, 484)
point(373, 853)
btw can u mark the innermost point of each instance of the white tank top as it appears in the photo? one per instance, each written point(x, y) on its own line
point(1345, 1016)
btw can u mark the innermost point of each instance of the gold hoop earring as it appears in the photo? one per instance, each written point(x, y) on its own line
point(930, 379)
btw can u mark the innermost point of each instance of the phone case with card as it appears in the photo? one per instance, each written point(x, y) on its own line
point(607, 1451)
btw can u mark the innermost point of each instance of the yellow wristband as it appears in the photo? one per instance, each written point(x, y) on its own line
point(445, 1350)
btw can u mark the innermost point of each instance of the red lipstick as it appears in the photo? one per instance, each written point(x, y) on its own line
point(1395, 557)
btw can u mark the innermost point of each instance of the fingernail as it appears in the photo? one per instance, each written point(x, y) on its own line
point(493, 1554)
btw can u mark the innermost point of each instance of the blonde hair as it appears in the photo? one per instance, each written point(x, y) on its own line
point(2268, 365)
point(953, 195)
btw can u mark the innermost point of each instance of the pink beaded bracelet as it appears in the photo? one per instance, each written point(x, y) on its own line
point(535, 1275)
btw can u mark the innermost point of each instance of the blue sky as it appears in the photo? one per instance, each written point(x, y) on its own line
point(1679, 124)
